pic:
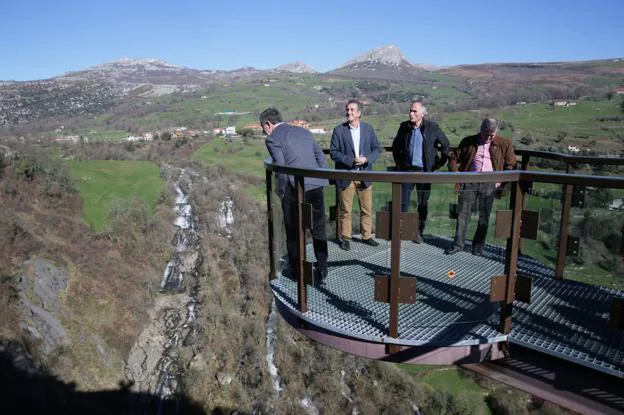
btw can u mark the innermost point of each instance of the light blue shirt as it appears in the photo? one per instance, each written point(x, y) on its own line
point(417, 141)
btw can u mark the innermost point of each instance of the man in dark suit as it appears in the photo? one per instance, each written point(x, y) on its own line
point(420, 145)
point(296, 147)
point(354, 146)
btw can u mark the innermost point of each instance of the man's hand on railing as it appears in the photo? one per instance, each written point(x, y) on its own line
point(502, 190)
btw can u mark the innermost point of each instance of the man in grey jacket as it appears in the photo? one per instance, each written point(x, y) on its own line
point(294, 146)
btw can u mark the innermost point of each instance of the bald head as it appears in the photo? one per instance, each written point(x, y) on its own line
point(489, 125)
point(489, 129)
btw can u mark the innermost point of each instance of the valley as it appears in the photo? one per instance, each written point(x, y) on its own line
point(91, 218)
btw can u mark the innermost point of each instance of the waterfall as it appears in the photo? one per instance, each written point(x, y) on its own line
point(154, 363)
point(271, 338)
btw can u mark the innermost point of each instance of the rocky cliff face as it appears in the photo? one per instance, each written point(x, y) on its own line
point(297, 67)
point(386, 62)
point(387, 55)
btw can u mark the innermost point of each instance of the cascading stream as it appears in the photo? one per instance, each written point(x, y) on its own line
point(154, 363)
point(271, 339)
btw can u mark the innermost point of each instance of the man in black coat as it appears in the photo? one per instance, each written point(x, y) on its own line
point(420, 145)
point(296, 147)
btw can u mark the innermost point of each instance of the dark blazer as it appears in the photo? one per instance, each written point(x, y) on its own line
point(342, 152)
point(434, 141)
point(296, 147)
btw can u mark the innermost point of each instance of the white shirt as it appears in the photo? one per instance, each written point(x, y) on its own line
point(355, 135)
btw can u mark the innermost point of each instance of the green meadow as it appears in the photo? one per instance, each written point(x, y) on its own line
point(595, 124)
point(103, 182)
point(452, 380)
point(236, 155)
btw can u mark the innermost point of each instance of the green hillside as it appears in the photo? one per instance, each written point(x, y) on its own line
point(102, 183)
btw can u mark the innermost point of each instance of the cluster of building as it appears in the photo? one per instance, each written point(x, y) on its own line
point(563, 103)
point(257, 129)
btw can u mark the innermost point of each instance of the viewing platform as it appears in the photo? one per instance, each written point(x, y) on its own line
point(565, 319)
point(549, 283)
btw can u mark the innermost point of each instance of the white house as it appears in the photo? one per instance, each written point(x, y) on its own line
point(318, 131)
point(573, 149)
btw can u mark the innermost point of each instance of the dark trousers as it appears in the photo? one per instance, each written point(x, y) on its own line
point(423, 191)
point(319, 238)
point(483, 195)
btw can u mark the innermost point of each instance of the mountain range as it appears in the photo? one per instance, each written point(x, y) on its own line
point(92, 90)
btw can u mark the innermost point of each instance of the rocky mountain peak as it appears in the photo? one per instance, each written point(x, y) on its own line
point(297, 67)
point(388, 55)
point(143, 63)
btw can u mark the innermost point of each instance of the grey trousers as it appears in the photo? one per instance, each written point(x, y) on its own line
point(481, 194)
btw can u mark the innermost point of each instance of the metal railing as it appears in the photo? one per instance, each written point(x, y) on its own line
point(521, 182)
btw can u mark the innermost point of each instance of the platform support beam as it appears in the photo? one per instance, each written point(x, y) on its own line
point(564, 225)
point(302, 291)
point(395, 269)
point(511, 260)
point(269, 196)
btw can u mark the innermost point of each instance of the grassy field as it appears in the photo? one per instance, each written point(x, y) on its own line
point(102, 182)
point(453, 381)
point(236, 155)
point(589, 124)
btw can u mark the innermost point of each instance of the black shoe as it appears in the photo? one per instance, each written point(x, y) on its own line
point(419, 239)
point(289, 273)
point(320, 274)
point(477, 252)
point(453, 250)
point(370, 242)
point(321, 269)
point(345, 245)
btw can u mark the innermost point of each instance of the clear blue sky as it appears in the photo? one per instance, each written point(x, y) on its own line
point(45, 38)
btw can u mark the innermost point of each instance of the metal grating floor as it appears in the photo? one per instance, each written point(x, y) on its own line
point(565, 319)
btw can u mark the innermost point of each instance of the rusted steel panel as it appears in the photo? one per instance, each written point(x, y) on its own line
point(523, 288)
point(382, 225)
point(528, 228)
point(497, 289)
point(503, 223)
point(407, 289)
point(409, 226)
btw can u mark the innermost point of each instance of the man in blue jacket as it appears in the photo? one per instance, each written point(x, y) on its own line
point(354, 146)
point(296, 147)
point(420, 145)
